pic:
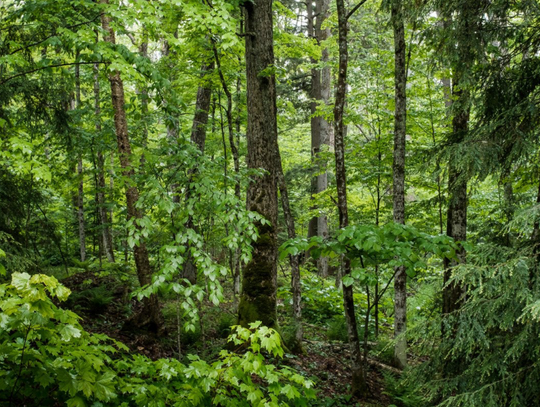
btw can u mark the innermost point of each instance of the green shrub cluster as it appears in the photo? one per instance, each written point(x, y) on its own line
point(47, 358)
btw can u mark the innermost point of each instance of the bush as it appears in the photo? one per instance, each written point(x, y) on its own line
point(47, 359)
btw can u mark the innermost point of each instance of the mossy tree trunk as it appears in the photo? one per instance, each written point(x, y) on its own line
point(259, 284)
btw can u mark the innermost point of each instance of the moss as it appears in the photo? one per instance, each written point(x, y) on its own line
point(258, 299)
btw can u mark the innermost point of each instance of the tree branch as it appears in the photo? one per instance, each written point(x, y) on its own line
point(354, 9)
point(49, 66)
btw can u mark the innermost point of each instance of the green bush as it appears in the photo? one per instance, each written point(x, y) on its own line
point(47, 359)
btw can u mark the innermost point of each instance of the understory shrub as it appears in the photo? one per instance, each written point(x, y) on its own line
point(47, 359)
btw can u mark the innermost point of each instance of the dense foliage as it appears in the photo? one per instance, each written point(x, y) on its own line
point(155, 155)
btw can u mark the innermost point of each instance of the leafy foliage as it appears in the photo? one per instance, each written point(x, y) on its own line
point(47, 356)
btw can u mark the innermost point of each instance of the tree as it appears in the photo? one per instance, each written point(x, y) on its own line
point(321, 129)
point(467, 28)
point(400, 131)
point(258, 298)
point(151, 313)
point(359, 385)
point(104, 218)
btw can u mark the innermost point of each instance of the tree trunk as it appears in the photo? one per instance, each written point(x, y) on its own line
point(400, 129)
point(467, 28)
point(198, 137)
point(321, 130)
point(150, 316)
point(359, 384)
point(456, 225)
point(106, 236)
point(295, 265)
point(259, 285)
point(80, 175)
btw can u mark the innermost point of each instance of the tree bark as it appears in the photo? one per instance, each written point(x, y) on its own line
point(400, 130)
point(80, 176)
point(259, 285)
point(106, 237)
point(150, 316)
point(456, 225)
point(294, 261)
point(453, 294)
point(321, 130)
point(359, 384)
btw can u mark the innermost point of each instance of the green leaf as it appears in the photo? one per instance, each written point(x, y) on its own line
point(69, 331)
point(76, 402)
point(347, 281)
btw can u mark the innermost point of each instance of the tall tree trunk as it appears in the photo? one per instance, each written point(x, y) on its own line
point(456, 226)
point(294, 261)
point(80, 175)
point(321, 130)
point(400, 129)
point(198, 137)
point(150, 316)
point(106, 237)
point(143, 51)
point(259, 286)
point(453, 294)
point(359, 384)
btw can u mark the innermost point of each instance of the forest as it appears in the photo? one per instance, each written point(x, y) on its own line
point(270, 203)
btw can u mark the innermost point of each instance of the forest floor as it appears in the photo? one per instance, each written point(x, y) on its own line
point(104, 304)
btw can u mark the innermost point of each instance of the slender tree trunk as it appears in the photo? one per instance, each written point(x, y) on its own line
point(321, 130)
point(237, 272)
point(106, 237)
point(535, 237)
point(456, 226)
point(198, 137)
point(400, 128)
point(80, 176)
point(259, 286)
point(295, 265)
point(202, 108)
point(151, 314)
point(143, 51)
point(466, 30)
point(359, 384)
